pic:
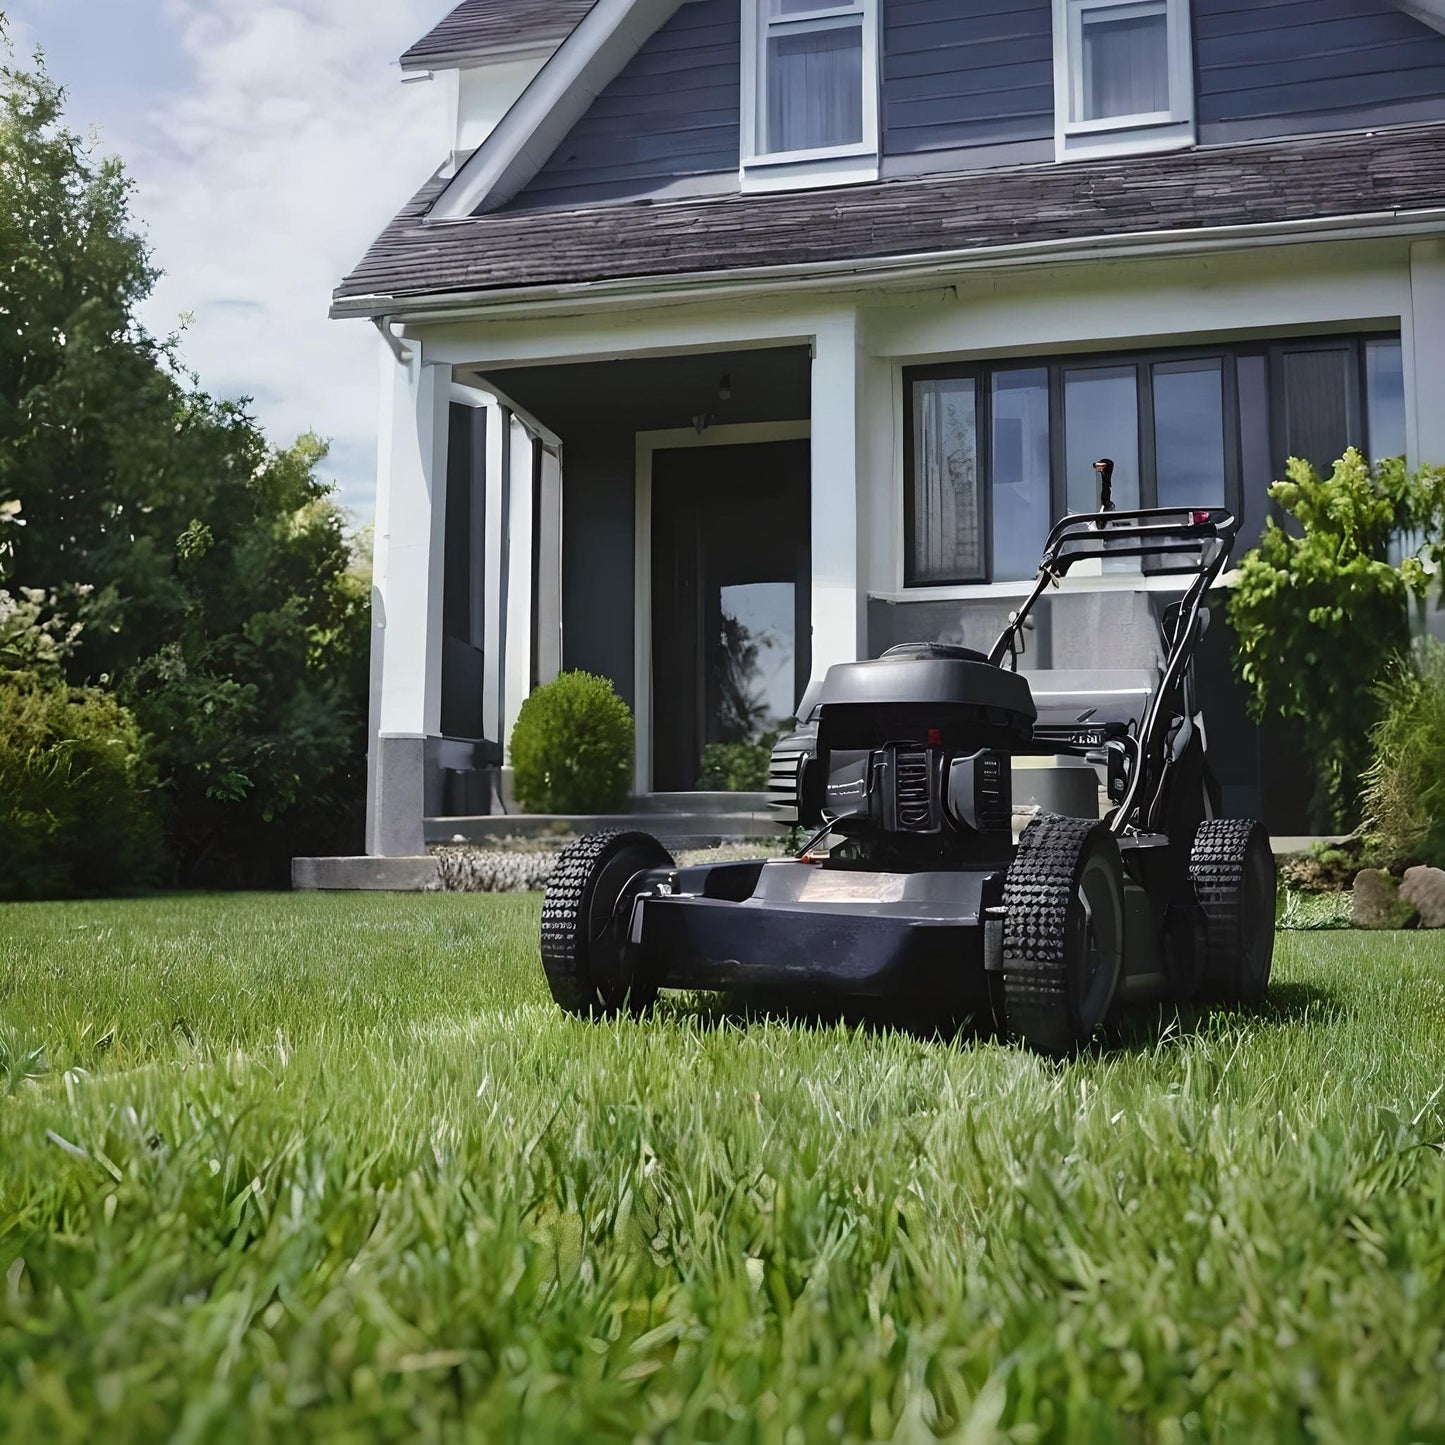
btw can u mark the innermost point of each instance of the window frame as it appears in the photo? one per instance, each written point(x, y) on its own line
point(981, 371)
point(1122, 135)
point(762, 170)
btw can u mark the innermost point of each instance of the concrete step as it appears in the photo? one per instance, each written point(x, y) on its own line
point(681, 803)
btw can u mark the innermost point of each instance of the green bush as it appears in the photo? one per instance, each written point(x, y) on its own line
point(572, 747)
point(1405, 784)
point(737, 767)
point(1318, 614)
point(77, 807)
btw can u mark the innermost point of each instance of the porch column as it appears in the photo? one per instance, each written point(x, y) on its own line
point(517, 666)
point(406, 597)
point(1424, 349)
point(838, 600)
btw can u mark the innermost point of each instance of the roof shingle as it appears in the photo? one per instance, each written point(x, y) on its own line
point(1315, 178)
point(476, 26)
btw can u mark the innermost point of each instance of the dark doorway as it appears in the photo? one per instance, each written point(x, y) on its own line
point(731, 599)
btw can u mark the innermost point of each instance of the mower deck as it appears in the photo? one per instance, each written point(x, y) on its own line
point(837, 932)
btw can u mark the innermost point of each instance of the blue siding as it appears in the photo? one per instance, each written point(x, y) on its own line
point(1289, 67)
point(966, 73)
point(673, 113)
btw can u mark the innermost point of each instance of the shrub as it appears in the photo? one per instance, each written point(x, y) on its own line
point(1405, 784)
point(1319, 614)
point(737, 767)
point(572, 747)
point(77, 806)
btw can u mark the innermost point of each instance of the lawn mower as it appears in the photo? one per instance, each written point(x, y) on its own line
point(915, 887)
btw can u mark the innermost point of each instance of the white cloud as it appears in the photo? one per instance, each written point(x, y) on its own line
point(286, 145)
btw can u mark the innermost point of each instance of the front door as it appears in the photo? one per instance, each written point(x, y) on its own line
point(731, 613)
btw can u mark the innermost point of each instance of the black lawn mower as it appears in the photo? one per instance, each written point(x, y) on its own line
point(915, 890)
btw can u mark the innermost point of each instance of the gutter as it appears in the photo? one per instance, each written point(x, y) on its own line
point(762, 281)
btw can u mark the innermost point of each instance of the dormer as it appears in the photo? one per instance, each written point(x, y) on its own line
point(485, 54)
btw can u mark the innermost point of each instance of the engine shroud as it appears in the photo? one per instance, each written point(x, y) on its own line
point(914, 744)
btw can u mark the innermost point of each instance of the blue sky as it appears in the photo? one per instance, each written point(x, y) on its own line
point(269, 140)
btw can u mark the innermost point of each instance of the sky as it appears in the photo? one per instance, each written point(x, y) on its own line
point(270, 141)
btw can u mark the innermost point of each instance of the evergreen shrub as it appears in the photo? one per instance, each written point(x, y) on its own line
point(572, 747)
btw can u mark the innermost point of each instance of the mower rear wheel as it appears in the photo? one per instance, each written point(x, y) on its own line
point(589, 962)
point(1063, 949)
point(1232, 867)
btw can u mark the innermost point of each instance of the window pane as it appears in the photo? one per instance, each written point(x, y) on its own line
point(1189, 433)
point(1101, 419)
point(1020, 472)
point(815, 89)
point(946, 544)
point(1385, 386)
point(1125, 63)
point(1317, 406)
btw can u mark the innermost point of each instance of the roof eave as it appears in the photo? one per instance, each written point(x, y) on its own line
point(476, 56)
point(829, 275)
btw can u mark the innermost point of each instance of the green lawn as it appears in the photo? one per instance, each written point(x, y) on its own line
point(337, 1166)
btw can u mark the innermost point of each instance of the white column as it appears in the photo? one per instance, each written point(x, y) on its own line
point(517, 665)
point(548, 621)
point(499, 448)
point(1423, 338)
point(839, 603)
point(407, 595)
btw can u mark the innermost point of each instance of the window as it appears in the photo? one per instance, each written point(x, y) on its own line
point(997, 452)
point(810, 92)
point(1123, 76)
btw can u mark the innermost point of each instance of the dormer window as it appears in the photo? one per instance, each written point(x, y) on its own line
point(810, 92)
point(1123, 77)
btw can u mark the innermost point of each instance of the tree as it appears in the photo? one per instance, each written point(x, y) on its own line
point(1321, 615)
point(212, 572)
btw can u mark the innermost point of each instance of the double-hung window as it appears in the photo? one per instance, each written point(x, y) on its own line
point(810, 92)
point(1123, 76)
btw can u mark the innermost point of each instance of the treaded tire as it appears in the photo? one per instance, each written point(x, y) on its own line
point(1232, 868)
point(1061, 961)
point(590, 970)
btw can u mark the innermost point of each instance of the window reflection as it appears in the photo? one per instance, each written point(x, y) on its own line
point(1020, 471)
point(1101, 419)
point(1385, 397)
point(1189, 433)
point(946, 544)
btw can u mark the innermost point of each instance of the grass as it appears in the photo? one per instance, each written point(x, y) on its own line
point(335, 1167)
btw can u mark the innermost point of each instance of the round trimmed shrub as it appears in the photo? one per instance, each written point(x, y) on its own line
point(78, 811)
point(572, 747)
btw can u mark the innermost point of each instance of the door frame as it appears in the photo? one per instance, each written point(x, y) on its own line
point(648, 443)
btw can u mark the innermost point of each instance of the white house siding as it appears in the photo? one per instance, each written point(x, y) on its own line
point(862, 343)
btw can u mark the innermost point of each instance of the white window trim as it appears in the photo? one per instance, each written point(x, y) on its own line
point(827, 166)
point(1126, 134)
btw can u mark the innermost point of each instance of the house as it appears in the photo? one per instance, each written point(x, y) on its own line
point(749, 336)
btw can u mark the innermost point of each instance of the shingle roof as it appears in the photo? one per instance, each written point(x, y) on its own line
point(1316, 178)
point(476, 26)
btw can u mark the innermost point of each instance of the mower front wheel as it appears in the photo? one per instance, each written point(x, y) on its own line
point(1063, 950)
point(589, 962)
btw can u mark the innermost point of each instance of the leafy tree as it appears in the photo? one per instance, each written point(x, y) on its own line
point(212, 573)
point(1322, 614)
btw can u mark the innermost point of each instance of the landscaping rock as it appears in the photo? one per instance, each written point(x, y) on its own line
point(1376, 901)
point(1424, 890)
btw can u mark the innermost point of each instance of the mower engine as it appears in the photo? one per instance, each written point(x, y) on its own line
point(914, 745)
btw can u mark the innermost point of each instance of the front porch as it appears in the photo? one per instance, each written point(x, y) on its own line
point(697, 523)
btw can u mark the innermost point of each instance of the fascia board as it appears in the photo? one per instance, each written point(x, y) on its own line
point(1428, 12)
point(763, 281)
point(609, 35)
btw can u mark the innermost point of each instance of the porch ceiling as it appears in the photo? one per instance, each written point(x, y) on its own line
point(664, 393)
point(1313, 179)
